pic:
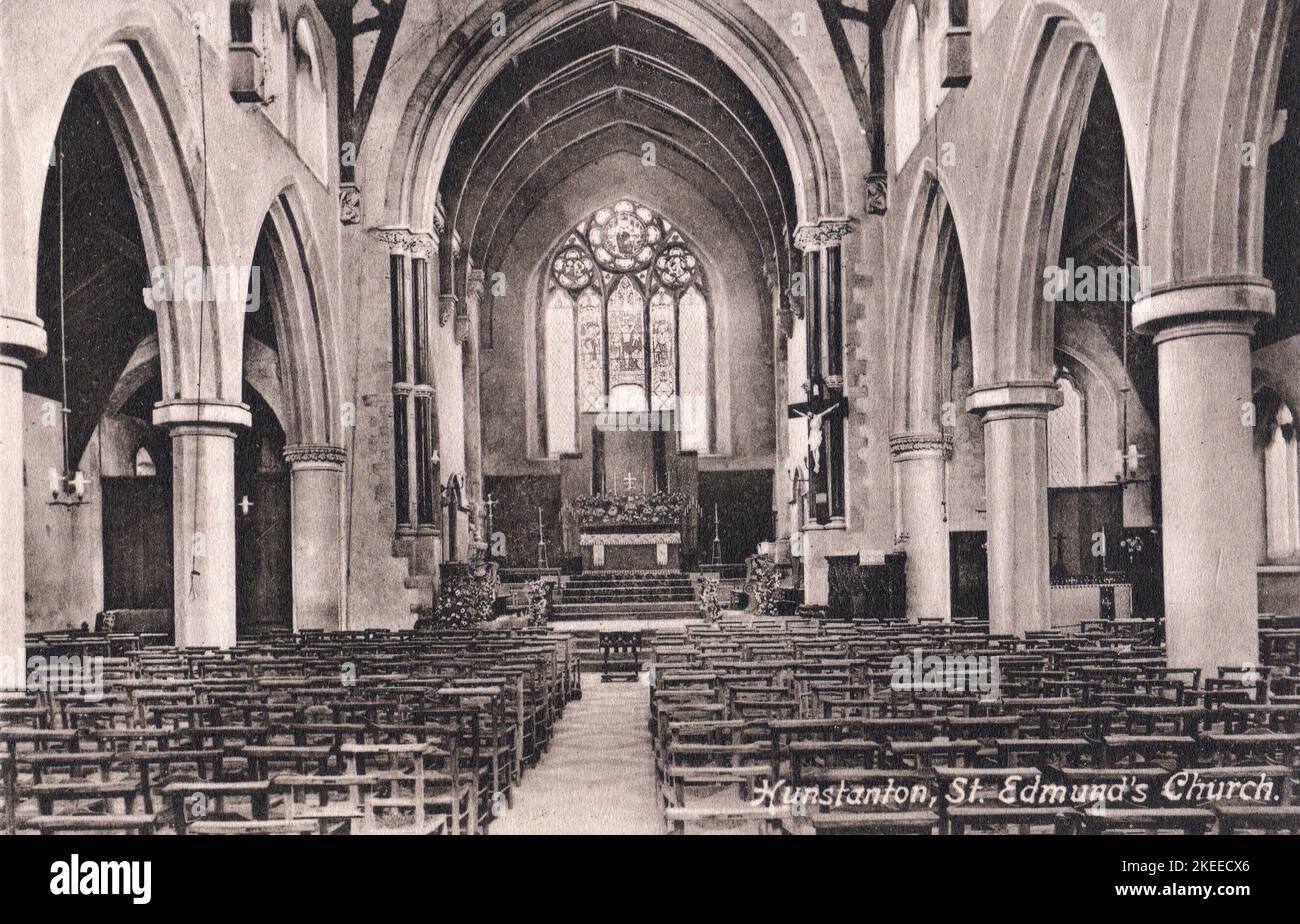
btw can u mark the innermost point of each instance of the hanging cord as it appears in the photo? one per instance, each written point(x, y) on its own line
point(349, 461)
point(65, 411)
point(1125, 296)
point(203, 300)
point(943, 451)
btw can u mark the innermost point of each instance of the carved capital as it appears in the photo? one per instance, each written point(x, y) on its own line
point(876, 194)
point(446, 308)
point(827, 232)
point(920, 445)
point(415, 243)
point(349, 204)
point(303, 455)
point(474, 291)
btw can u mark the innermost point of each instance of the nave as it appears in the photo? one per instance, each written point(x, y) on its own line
point(747, 724)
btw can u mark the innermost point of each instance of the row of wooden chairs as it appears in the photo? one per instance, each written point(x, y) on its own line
point(296, 733)
point(801, 726)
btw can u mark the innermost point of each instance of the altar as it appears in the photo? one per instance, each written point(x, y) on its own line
point(635, 550)
point(630, 532)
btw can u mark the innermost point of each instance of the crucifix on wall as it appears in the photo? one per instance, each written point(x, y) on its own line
point(818, 410)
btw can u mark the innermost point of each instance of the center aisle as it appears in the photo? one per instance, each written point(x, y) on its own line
point(598, 775)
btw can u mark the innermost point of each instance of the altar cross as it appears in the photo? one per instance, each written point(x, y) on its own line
point(244, 505)
point(629, 481)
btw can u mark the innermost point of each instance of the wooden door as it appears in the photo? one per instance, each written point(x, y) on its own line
point(137, 525)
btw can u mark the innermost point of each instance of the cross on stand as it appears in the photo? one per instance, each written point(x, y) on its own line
point(629, 481)
point(488, 504)
point(244, 505)
point(1058, 569)
point(541, 541)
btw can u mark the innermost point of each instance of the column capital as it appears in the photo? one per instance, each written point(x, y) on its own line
point(1239, 301)
point(313, 456)
point(823, 233)
point(447, 305)
point(1002, 400)
point(904, 446)
point(195, 412)
point(22, 337)
point(404, 240)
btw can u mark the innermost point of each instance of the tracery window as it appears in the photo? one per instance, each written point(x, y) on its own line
point(625, 325)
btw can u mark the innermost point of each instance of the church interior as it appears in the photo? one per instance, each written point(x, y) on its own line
point(649, 416)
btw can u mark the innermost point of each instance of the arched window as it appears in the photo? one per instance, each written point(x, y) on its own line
point(1066, 446)
point(642, 338)
point(986, 10)
point(1281, 491)
point(144, 464)
point(936, 27)
point(907, 89)
point(311, 126)
point(277, 69)
point(560, 380)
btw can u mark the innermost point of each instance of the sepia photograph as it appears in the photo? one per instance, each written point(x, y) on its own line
point(650, 417)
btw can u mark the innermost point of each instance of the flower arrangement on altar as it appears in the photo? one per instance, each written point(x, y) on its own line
point(539, 603)
point(710, 606)
point(766, 584)
point(629, 509)
point(467, 598)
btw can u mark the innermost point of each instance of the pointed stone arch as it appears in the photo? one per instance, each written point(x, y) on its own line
point(446, 91)
point(306, 342)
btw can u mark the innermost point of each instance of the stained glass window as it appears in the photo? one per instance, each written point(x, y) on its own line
point(560, 382)
point(638, 324)
point(591, 351)
point(663, 351)
point(693, 331)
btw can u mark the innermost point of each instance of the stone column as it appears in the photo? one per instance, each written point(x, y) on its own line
point(467, 333)
point(1208, 486)
point(1015, 487)
point(203, 517)
point(21, 338)
point(920, 460)
point(316, 527)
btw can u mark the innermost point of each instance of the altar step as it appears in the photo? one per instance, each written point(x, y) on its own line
point(630, 595)
point(626, 595)
point(562, 611)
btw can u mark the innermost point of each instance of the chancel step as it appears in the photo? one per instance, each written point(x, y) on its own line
point(626, 594)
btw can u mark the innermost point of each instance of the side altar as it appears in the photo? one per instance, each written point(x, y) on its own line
point(633, 532)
